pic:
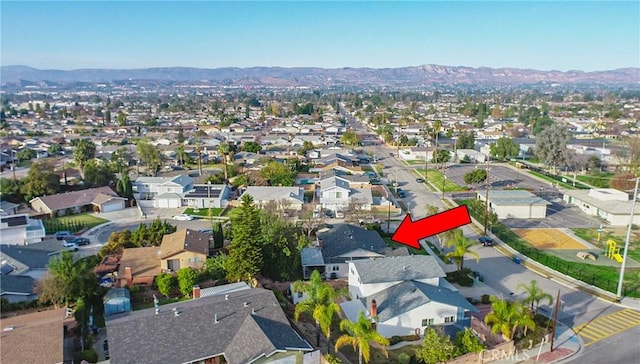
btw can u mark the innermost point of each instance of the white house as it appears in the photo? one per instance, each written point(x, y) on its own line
point(515, 204)
point(290, 198)
point(336, 193)
point(405, 295)
point(472, 155)
point(208, 196)
point(21, 230)
point(607, 203)
point(164, 192)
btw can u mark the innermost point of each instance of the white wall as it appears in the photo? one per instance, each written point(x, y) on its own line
point(13, 235)
point(520, 211)
point(407, 323)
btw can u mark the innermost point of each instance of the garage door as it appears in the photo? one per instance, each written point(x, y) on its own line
point(113, 206)
point(168, 203)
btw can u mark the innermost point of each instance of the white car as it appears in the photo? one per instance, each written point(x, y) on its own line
point(183, 217)
point(72, 247)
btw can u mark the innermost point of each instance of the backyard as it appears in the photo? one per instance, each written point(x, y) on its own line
point(73, 223)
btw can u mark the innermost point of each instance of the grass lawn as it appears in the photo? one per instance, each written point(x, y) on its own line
point(558, 180)
point(599, 180)
point(73, 223)
point(415, 162)
point(230, 212)
point(437, 179)
point(204, 213)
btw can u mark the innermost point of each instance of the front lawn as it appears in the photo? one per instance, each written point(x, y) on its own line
point(204, 213)
point(73, 223)
point(437, 179)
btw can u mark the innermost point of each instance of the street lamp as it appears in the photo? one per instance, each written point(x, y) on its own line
point(626, 242)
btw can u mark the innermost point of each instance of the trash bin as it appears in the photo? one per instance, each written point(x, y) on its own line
point(516, 260)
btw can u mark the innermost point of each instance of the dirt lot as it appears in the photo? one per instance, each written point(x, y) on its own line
point(549, 239)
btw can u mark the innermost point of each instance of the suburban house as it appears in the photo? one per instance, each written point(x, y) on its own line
point(338, 245)
point(471, 155)
point(245, 326)
point(208, 196)
point(405, 294)
point(354, 180)
point(335, 193)
point(337, 161)
point(607, 203)
point(182, 249)
point(416, 153)
point(8, 208)
point(288, 198)
point(515, 204)
point(21, 230)
point(17, 288)
point(30, 260)
point(166, 192)
point(33, 338)
point(102, 199)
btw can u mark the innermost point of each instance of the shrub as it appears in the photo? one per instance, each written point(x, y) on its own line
point(404, 358)
point(463, 277)
point(485, 299)
point(89, 355)
point(332, 359)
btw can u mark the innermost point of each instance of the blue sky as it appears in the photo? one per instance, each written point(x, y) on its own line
point(545, 35)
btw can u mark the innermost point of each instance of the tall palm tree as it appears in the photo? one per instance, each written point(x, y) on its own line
point(323, 315)
point(534, 294)
point(461, 247)
point(360, 335)
point(223, 150)
point(506, 317)
point(437, 125)
point(181, 154)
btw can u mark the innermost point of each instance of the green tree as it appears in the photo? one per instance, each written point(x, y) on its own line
point(149, 156)
point(107, 116)
point(72, 279)
point(118, 240)
point(466, 140)
point(10, 190)
point(475, 177)
point(181, 155)
point(461, 247)
point(535, 294)
point(245, 254)
point(319, 293)
point(40, 181)
point(360, 335)
point(98, 174)
point(467, 342)
point(551, 146)
point(121, 118)
point(187, 278)
point(252, 147)
point(26, 154)
point(120, 160)
point(349, 137)
point(84, 151)
point(504, 148)
point(306, 146)
point(278, 174)
point(441, 156)
point(505, 317)
point(165, 283)
point(54, 148)
point(223, 151)
point(435, 348)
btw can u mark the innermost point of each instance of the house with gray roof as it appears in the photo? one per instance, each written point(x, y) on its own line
point(515, 204)
point(104, 199)
point(288, 198)
point(164, 192)
point(338, 245)
point(246, 326)
point(19, 229)
point(32, 259)
point(208, 196)
point(405, 294)
point(17, 288)
point(336, 192)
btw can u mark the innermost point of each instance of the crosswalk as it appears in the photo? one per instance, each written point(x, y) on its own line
point(608, 325)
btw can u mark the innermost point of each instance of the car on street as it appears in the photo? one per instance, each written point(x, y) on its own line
point(61, 235)
point(72, 247)
point(329, 214)
point(486, 241)
point(79, 241)
point(420, 180)
point(401, 193)
point(183, 217)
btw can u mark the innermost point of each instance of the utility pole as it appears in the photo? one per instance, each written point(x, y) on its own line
point(486, 199)
point(555, 320)
point(626, 242)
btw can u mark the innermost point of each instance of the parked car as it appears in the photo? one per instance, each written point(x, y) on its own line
point(80, 241)
point(183, 217)
point(339, 215)
point(420, 180)
point(60, 235)
point(401, 193)
point(329, 214)
point(485, 241)
point(72, 247)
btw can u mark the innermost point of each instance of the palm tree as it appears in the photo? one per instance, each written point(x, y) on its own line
point(318, 293)
point(505, 317)
point(323, 315)
point(360, 335)
point(437, 125)
point(181, 154)
point(461, 247)
point(223, 150)
point(534, 294)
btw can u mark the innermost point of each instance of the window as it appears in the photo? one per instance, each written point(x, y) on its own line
point(335, 268)
point(338, 194)
point(449, 319)
point(427, 322)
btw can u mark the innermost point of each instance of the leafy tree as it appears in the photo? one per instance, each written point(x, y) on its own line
point(187, 278)
point(282, 243)
point(181, 155)
point(98, 174)
point(306, 146)
point(151, 235)
point(252, 147)
point(218, 235)
point(54, 148)
point(551, 145)
point(10, 190)
point(475, 177)
point(84, 151)
point(149, 156)
point(73, 280)
point(40, 181)
point(441, 156)
point(165, 282)
point(504, 148)
point(217, 266)
point(26, 154)
point(244, 255)
point(224, 150)
point(124, 186)
point(466, 140)
point(278, 174)
point(435, 348)
point(121, 118)
point(118, 240)
point(461, 247)
point(349, 137)
point(505, 317)
point(534, 294)
point(359, 335)
point(120, 160)
point(467, 342)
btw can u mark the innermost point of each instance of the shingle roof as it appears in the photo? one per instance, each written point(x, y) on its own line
point(393, 269)
point(343, 238)
point(34, 256)
point(179, 179)
point(272, 193)
point(17, 284)
point(333, 182)
point(44, 328)
point(184, 240)
point(144, 262)
point(404, 297)
point(240, 333)
point(75, 199)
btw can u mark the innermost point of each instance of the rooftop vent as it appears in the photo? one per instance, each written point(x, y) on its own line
point(245, 304)
point(215, 319)
point(9, 328)
point(226, 297)
point(253, 311)
point(176, 313)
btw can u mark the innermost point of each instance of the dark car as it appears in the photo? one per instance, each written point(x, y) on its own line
point(80, 241)
point(401, 193)
point(420, 180)
point(485, 241)
point(61, 235)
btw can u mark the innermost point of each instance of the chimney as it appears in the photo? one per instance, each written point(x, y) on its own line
point(226, 297)
point(253, 311)
point(373, 312)
point(128, 276)
point(215, 318)
point(196, 292)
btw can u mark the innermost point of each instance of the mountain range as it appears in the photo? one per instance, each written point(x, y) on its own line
point(424, 75)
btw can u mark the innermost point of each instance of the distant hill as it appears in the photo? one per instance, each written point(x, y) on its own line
point(323, 77)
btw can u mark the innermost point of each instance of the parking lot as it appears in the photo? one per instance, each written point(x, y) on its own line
point(500, 176)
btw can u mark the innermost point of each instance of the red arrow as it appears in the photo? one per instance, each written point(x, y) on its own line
point(410, 232)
